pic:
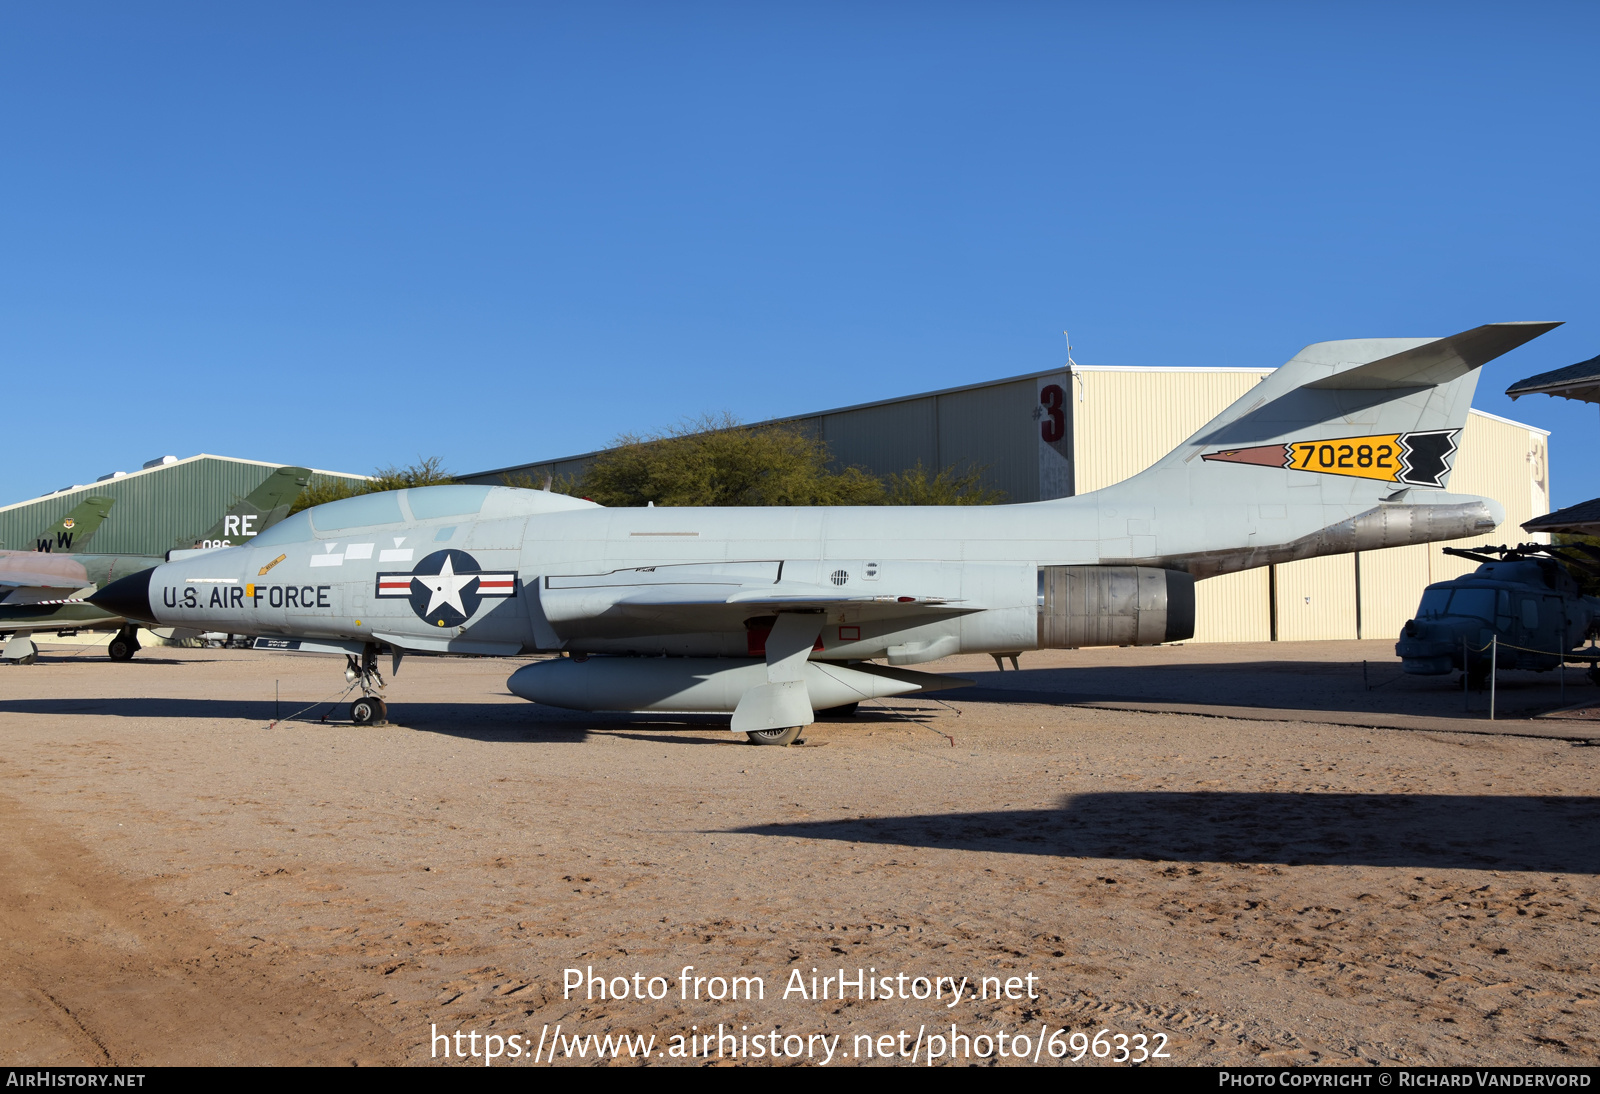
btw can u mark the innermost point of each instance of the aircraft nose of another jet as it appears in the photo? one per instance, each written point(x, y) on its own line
point(128, 597)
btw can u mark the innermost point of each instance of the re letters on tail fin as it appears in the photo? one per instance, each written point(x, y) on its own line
point(263, 507)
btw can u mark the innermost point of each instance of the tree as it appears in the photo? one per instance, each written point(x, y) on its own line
point(1584, 576)
point(425, 472)
point(949, 487)
point(714, 460)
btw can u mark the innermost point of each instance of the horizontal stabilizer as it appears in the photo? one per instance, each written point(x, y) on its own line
point(1436, 362)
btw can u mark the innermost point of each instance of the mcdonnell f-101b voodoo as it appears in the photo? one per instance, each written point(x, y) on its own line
point(771, 614)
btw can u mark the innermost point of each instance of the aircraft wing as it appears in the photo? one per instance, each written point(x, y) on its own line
point(23, 579)
point(790, 599)
point(22, 596)
point(53, 574)
point(701, 606)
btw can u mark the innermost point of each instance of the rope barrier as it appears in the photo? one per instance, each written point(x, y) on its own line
point(1584, 655)
point(331, 704)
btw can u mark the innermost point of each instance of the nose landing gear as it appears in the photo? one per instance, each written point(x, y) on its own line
point(370, 709)
point(123, 645)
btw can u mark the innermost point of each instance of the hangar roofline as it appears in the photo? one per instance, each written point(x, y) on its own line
point(1070, 369)
point(91, 486)
point(897, 399)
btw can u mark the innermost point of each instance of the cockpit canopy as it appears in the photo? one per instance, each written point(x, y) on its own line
point(1475, 601)
point(422, 503)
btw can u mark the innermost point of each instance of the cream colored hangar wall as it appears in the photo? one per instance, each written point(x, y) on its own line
point(1499, 459)
point(1124, 419)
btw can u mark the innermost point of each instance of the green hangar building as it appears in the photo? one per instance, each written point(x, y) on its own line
point(167, 503)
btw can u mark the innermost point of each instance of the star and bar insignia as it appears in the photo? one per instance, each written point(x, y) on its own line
point(447, 587)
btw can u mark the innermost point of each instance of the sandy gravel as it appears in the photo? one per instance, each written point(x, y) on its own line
point(181, 883)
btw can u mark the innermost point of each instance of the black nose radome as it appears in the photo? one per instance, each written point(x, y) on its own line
point(128, 597)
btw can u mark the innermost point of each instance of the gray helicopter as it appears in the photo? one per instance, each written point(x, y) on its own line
point(1522, 603)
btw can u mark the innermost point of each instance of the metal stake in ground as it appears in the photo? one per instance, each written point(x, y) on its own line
point(1494, 670)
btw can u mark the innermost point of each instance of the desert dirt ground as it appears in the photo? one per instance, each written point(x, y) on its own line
point(1168, 841)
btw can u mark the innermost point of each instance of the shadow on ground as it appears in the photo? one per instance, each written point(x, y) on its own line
point(1438, 831)
point(478, 721)
point(481, 721)
point(1284, 685)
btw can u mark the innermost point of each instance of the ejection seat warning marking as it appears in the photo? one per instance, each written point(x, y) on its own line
point(1416, 459)
point(263, 571)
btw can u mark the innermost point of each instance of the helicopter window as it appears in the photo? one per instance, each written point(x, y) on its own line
point(1434, 602)
point(1530, 614)
point(1478, 603)
point(1505, 603)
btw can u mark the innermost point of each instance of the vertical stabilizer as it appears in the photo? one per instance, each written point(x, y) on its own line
point(1347, 447)
point(72, 532)
point(253, 514)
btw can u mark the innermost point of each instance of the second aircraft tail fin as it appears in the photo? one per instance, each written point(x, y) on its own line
point(72, 532)
point(259, 510)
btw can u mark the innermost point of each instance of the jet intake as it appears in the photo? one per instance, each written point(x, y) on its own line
point(1113, 606)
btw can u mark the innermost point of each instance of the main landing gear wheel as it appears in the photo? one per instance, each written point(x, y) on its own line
point(123, 646)
point(774, 736)
point(369, 710)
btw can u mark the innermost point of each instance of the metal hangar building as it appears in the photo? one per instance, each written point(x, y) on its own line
point(166, 498)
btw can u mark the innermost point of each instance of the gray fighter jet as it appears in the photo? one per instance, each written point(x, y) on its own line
point(774, 613)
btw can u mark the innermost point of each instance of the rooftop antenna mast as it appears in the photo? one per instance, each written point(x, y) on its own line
point(1072, 366)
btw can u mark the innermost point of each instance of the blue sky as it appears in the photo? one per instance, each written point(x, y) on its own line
point(350, 235)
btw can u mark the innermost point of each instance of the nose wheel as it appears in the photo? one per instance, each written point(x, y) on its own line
point(370, 709)
point(123, 645)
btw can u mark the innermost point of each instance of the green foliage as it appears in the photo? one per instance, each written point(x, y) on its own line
point(425, 472)
point(713, 460)
point(949, 487)
point(1586, 579)
point(544, 480)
